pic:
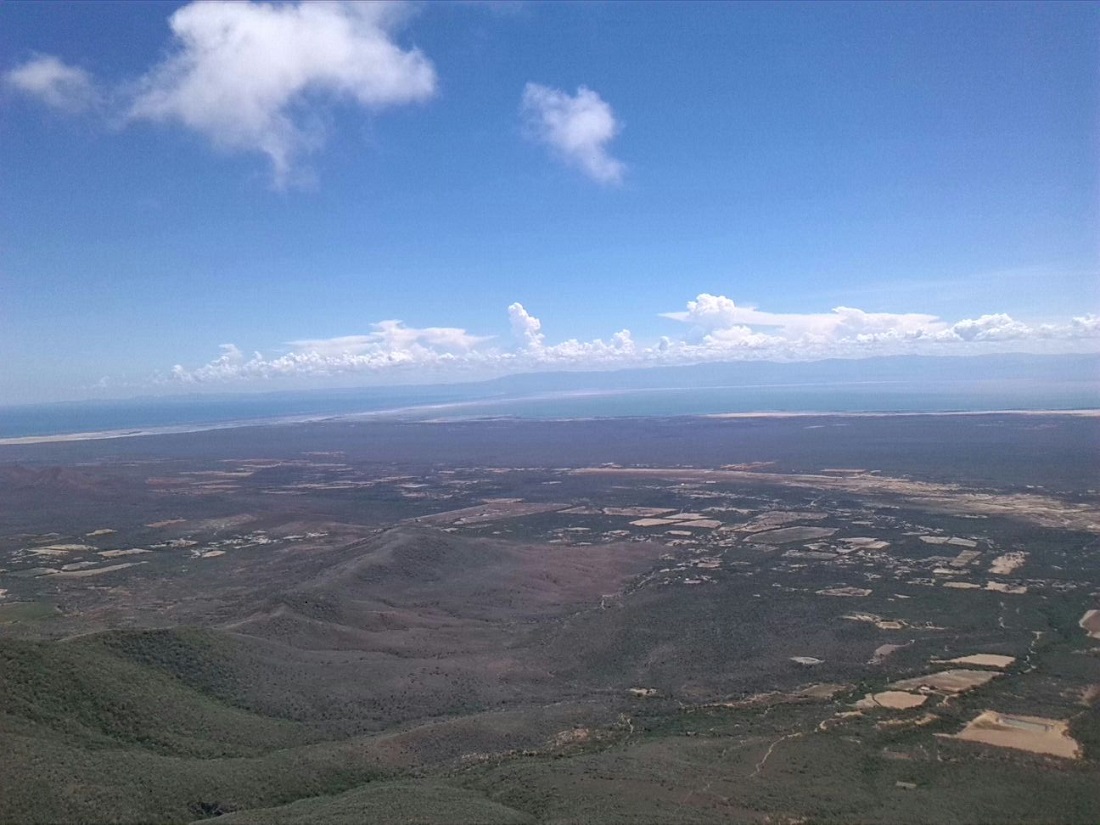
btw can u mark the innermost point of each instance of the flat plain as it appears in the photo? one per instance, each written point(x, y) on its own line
point(813, 619)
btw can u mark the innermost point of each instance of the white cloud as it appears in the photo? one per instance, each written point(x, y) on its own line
point(390, 344)
point(708, 313)
point(66, 88)
point(999, 327)
point(577, 128)
point(716, 329)
point(394, 335)
point(1086, 326)
point(717, 325)
point(525, 327)
point(251, 76)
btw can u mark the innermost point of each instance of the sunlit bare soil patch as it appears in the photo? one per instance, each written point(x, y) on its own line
point(98, 571)
point(891, 700)
point(1090, 623)
point(491, 510)
point(787, 535)
point(1028, 733)
point(1005, 565)
point(948, 681)
point(850, 592)
point(983, 660)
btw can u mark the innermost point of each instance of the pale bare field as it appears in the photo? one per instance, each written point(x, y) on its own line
point(701, 524)
point(865, 543)
point(885, 624)
point(114, 554)
point(862, 617)
point(1001, 587)
point(57, 549)
point(78, 565)
point(1090, 623)
point(964, 558)
point(787, 535)
point(960, 542)
point(1005, 565)
point(891, 700)
point(882, 652)
point(984, 660)
point(948, 681)
point(769, 521)
point(820, 692)
point(850, 592)
point(1028, 733)
point(636, 512)
point(491, 510)
point(98, 571)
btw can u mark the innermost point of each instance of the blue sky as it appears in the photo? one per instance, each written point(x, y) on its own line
point(246, 197)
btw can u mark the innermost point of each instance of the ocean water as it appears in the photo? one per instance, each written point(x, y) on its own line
point(831, 398)
point(206, 411)
point(482, 401)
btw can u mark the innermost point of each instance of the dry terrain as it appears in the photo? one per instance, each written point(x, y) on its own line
point(675, 620)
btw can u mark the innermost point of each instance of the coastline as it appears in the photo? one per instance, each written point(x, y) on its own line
point(1083, 413)
point(184, 429)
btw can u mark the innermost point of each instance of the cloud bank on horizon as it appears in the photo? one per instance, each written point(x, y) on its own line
point(715, 329)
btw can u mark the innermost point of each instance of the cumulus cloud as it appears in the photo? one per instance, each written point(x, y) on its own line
point(577, 128)
point(394, 335)
point(248, 76)
point(390, 344)
point(709, 313)
point(999, 327)
point(717, 325)
point(46, 78)
point(715, 329)
point(1086, 326)
point(525, 327)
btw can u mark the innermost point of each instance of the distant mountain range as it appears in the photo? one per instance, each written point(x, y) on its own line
point(907, 369)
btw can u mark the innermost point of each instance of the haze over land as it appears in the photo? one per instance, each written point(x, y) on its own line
point(900, 384)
